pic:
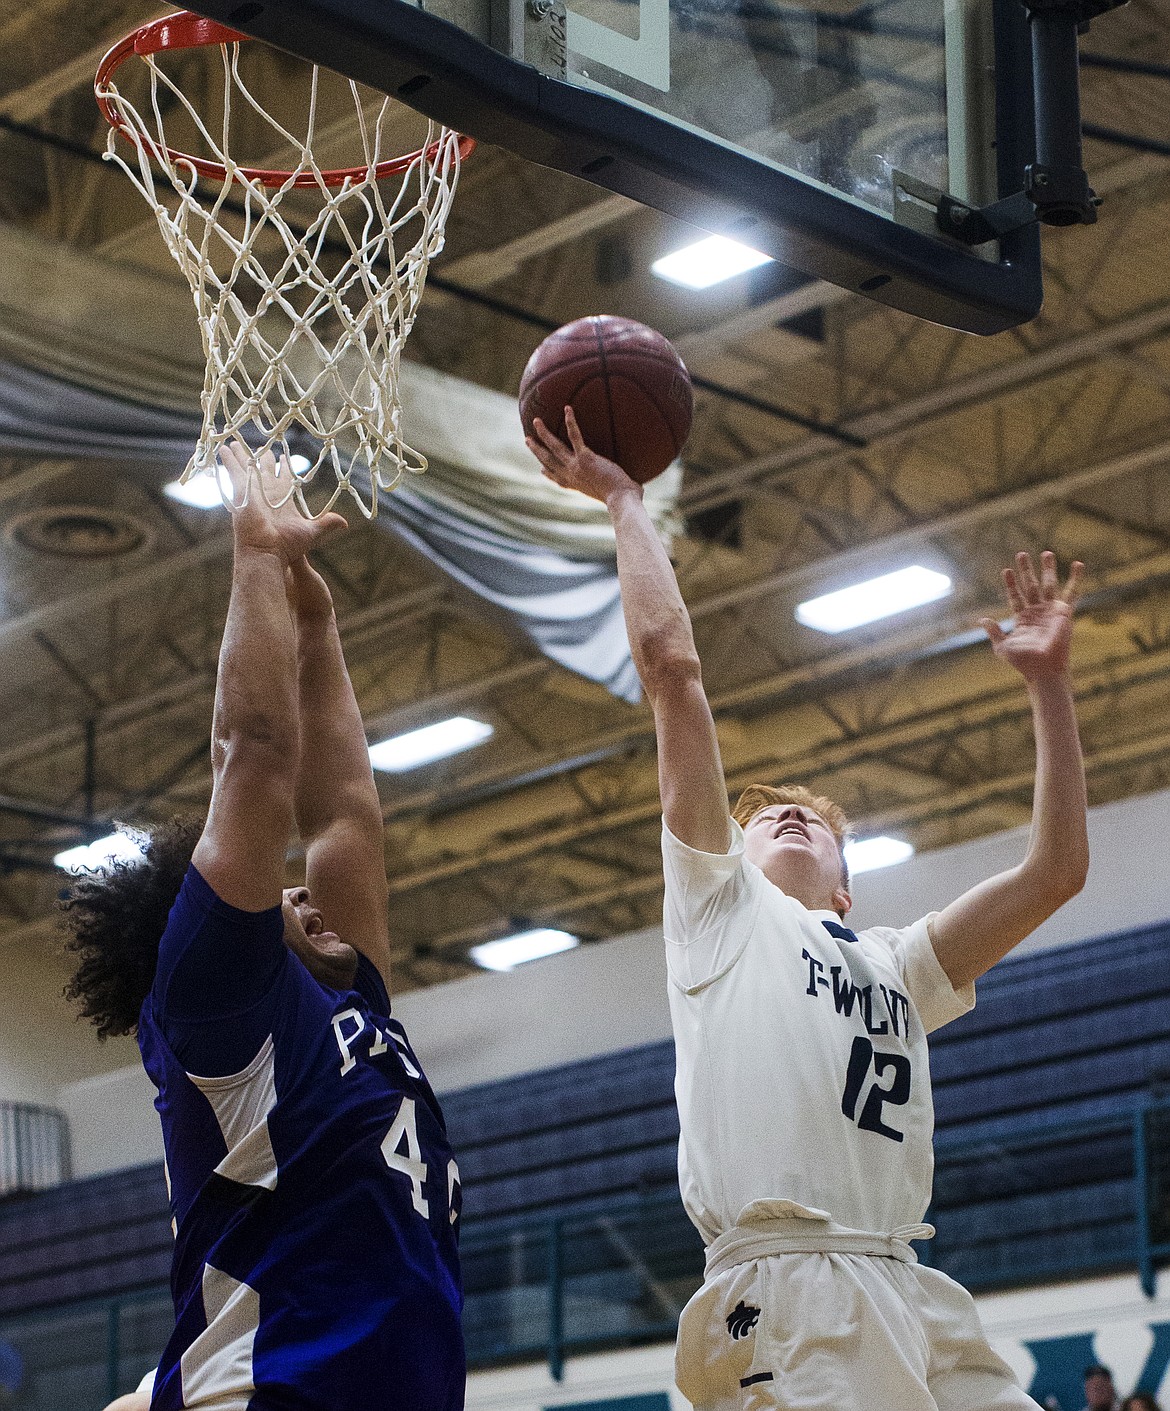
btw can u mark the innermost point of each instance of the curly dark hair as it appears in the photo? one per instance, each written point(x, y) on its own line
point(115, 919)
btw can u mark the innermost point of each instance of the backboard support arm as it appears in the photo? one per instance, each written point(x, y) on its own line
point(1056, 188)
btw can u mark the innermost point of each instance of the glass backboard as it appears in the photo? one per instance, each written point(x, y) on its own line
point(809, 131)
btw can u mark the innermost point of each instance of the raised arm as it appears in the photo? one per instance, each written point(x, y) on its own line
point(337, 809)
point(690, 772)
point(981, 927)
point(255, 732)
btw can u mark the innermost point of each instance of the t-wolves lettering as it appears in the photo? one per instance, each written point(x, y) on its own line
point(801, 1050)
point(847, 993)
point(891, 1072)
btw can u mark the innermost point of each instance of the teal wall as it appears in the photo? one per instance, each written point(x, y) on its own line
point(656, 1401)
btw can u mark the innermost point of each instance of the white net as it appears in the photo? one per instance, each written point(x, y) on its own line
point(303, 319)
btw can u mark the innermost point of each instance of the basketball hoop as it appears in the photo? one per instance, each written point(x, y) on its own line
point(302, 324)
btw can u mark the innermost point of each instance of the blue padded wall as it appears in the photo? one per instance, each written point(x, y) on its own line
point(1035, 1092)
point(85, 1239)
point(568, 1135)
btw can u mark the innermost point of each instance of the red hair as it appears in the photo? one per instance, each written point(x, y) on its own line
point(759, 796)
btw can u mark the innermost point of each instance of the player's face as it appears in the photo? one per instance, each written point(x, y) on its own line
point(796, 849)
point(325, 955)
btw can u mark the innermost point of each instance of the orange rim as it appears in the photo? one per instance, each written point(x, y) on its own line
point(185, 30)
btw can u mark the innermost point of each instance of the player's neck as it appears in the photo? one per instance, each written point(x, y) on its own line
point(809, 892)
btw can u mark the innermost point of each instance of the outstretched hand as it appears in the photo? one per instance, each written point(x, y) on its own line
point(259, 520)
point(575, 466)
point(1037, 645)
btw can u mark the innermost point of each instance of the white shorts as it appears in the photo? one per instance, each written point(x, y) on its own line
point(839, 1332)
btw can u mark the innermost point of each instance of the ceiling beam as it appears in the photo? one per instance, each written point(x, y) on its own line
point(487, 267)
point(28, 102)
point(947, 802)
point(996, 708)
point(398, 611)
point(941, 634)
point(39, 473)
point(911, 416)
point(1011, 504)
point(138, 581)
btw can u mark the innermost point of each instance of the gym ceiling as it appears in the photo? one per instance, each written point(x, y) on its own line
point(845, 439)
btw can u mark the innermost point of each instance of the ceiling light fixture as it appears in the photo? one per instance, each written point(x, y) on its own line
point(708, 262)
point(97, 856)
point(510, 951)
point(201, 492)
point(431, 742)
point(868, 854)
point(876, 598)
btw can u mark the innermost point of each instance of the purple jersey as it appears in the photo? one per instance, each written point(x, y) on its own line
point(315, 1200)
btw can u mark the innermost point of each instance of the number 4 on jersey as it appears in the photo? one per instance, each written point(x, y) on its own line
point(863, 1058)
point(404, 1133)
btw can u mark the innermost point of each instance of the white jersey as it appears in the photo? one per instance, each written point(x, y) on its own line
point(801, 1049)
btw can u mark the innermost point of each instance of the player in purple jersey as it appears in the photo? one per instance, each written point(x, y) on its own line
point(315, 1200)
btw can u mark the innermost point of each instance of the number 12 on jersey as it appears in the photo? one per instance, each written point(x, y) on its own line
point(864, 1059)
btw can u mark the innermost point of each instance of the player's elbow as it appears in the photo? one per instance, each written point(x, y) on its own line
point(256, 744)
point(668, 666)
point(351, 811)
point(1075, 875)
point(256, 723)
point(1058, 882)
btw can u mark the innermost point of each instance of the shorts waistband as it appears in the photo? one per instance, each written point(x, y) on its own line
point(745, 1243)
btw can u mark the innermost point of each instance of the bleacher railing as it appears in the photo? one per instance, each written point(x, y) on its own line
point(610, 1276)
point(82, 1355)
point(1152, 1177)
point(34, 1148)
point(619, 1272)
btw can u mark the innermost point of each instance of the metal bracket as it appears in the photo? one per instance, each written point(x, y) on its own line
point(1056, 190)
point(545, 29)
point(1050, 197)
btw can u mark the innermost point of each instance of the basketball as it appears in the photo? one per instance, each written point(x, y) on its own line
point(629, 389)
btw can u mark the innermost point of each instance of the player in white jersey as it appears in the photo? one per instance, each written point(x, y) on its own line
point(802, 1083)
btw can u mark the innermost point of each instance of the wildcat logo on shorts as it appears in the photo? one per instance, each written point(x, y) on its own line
point(742, 1319)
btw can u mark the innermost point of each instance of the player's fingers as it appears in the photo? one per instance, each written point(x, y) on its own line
point(1026, 578)
point(1012, 589)
point(542, 453)
point(993, 630)
point(265, 462)
point(549, 439)
point(235, 459)
point(1049, 582)
point(1072, 589)
point(576, 440)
